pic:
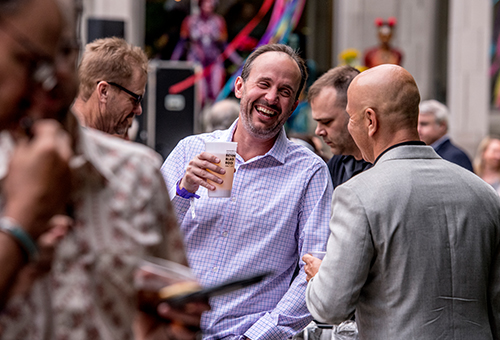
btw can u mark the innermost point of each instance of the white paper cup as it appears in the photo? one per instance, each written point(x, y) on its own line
point(226, 152)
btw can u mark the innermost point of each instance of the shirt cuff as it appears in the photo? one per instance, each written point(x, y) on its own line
point(183, 192)
point(265, 328)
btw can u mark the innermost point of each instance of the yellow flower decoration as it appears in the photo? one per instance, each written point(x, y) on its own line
point(349, 57)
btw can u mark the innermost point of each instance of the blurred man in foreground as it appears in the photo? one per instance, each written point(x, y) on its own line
point(35, 182)
point(118, 201)
point(414, 249)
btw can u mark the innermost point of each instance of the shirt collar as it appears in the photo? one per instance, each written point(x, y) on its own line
point(396, 145)
point(440, 142)
point(88, 158)
point(278, 151)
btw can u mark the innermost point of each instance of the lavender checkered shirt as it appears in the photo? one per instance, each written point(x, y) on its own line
point(279, 210)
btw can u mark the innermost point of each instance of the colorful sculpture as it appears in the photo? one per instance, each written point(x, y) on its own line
point(204, 37)
point(384, 53)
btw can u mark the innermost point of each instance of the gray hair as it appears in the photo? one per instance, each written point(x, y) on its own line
point(221, 115)
point(439, 110)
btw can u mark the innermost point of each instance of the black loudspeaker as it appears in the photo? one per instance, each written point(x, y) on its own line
point(99, 28)
point(167, 117)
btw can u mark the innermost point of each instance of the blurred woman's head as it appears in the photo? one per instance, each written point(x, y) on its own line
point(488, 155)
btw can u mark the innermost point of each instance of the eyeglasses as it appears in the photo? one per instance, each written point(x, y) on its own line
point(137, 97)
point(41, 65)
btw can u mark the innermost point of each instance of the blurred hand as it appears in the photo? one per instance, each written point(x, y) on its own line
point(47, 242)
point(312, 265)
point(197, 174)
point(38, 182)
point(174, 323)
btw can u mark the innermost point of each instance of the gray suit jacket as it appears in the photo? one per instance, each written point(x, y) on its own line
point(414, 250)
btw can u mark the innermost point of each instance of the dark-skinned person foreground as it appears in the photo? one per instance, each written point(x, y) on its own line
point(414, 248)
point(105, 196)
point(35, 183)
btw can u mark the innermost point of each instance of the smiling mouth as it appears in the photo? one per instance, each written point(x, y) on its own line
point(265, 111)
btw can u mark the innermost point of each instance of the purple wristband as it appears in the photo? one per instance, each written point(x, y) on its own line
point(184, 193)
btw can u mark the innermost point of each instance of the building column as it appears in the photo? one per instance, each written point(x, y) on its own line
point(468, 64)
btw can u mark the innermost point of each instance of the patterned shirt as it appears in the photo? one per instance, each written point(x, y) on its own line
point(122, 212)
point(278, 211)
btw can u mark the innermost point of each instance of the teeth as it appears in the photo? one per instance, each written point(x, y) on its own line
point(266, 111)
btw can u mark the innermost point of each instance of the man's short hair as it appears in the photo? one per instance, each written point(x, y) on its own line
point(439, 110)
point(277, 48)
point(109, 59)
point(338, 78)
point(221, 115)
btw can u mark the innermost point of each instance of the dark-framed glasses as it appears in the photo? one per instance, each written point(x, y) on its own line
point(137, 97)
point(41, 65)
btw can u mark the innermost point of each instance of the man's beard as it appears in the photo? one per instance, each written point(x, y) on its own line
point(258, 132)
point(261, 133)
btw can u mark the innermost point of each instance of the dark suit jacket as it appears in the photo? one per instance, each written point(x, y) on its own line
point(447, 150)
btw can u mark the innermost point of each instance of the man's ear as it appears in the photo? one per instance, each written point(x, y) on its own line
point(102, 92)
point(443, 127)
point(371, 121)
point(238, 85)
point(293, 108)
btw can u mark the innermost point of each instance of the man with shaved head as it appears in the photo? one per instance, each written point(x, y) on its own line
point(414, 248)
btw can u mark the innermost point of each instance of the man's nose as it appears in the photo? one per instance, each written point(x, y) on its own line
point(272, 95)
point(319, 130)
point(138, 109)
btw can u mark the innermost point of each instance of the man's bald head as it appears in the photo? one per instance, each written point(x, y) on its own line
point(392, 91)
point(383, 106)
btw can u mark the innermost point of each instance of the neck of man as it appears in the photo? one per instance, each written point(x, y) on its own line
point(384, 140)
point(83, 111)
point(357, 154)
point(250, 146)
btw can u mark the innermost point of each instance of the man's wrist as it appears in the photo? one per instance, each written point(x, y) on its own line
point(184, 193)
point(27, 244)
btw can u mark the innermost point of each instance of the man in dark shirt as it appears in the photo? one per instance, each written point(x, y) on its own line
point(433, 128)
point(328, 100)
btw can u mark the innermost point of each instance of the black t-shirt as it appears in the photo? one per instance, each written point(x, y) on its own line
point(342, 168)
